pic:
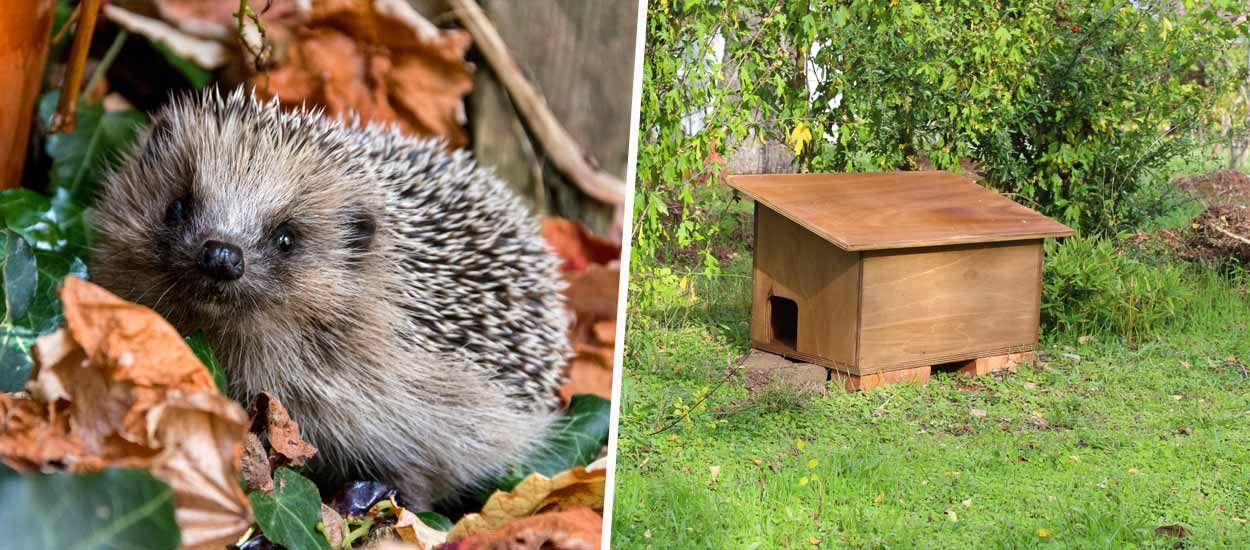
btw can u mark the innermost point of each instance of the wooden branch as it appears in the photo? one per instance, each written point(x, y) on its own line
point(67, 108)
point(561, 148)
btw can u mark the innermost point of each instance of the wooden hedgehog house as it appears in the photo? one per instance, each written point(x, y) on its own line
point(882, 276)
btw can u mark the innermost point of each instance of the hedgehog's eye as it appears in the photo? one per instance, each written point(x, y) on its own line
point(284, 238)
point(177, 212)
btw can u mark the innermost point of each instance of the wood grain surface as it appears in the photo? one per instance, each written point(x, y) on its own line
point(889, 210)
point(946, 304)
point(823, 281)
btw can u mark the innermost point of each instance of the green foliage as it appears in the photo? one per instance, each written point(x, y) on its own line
point(1091, 288)
point(46, 238)
point(113, 509)
point(435, 520)
point(82, 157)
point(1072, 108)
point(204, 352)
point(197, 76)
point(575, 441)
point(40, 249)
point(289, 516)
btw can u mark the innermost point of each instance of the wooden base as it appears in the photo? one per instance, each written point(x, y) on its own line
point(920, 375)
point(985, 365)
point(869, 382)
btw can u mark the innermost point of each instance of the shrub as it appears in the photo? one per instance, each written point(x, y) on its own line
point(1071, 107)
point(1088, 287)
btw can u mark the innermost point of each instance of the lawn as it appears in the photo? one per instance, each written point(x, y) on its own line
point(1098, 445)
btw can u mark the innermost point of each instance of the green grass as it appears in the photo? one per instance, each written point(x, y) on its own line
point(1134, 439)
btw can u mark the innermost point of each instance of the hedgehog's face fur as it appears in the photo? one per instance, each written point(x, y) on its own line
point(229, 211)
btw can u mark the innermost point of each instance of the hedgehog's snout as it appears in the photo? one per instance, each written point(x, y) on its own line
point(221, 261)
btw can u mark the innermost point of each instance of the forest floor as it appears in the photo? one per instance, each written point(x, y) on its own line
point(1098, 444)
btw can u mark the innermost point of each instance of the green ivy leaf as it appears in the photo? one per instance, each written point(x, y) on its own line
point(15, 363)
point(435, 520)
point(113, 509)
point(198, 76)
point(204, 352)
point(290, 515)
point(80, 158)
point(26, 213)
point(21, 277)
point(575, 441)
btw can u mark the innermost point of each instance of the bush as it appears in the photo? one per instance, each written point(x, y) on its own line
point(1072, 107)
point(1088, 287)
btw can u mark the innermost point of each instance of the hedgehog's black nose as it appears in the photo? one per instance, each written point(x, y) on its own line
point(221, 261)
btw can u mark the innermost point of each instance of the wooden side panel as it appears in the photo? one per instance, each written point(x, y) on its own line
point(938, 305)
point(823, 281)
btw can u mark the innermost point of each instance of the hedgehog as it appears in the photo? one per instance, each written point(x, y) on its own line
point(396, 297)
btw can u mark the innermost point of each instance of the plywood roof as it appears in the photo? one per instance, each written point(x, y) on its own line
point(882, 210)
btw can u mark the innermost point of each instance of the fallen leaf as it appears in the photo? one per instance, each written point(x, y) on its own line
point(208, 54)
point(1175, 530)
point(273, 421)
point(199, 436)
point(591, 299)
point(412, 530)
point(576, 528)
point(585, 376)
point(366, 57)
point(534, 495)
point(118, 387)
point(605, 331)
point(979, 413)
point(577, 246)
point(1044, 533)
point(216, 19)
point(255, 468)
point(290, 515)
point(334, 527)
point(115, 509)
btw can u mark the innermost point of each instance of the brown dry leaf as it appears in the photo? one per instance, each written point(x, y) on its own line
point(537, 494)
point(379, 59)
point(576, 246)
point(1174, 530)
point(586, 377)
point(215, 19)
point(257, 473)
point(413, 531)
point(206, 53)
point(273, 420)
point(605, 331)
point(199, 436)
point(592, 301)
point(577, 528)
point(120, 388)
point(334, 526)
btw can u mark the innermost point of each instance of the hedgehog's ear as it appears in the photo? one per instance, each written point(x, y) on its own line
point(361, 226)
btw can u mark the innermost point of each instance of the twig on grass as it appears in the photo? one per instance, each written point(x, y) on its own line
point(564, 152)
point(728, 374)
